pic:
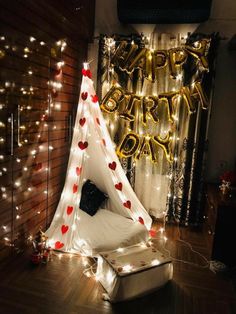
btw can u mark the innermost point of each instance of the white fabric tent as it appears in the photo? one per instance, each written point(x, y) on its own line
point(124, 221)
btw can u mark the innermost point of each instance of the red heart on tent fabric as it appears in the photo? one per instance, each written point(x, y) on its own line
point(83, 145)
point(69, 210)
point(89, 73)
point(64, 229)
point(152, 233)
point(112, 165)
point(94, 98)
point(140, 219)
point(84, 72)
point(82, 121)
point(119, 186)
point(103, 142)
point(58, 245)
point(78, 170)
point(127, 204)
point(75, 188)
point(98, 121)
point(84, 95)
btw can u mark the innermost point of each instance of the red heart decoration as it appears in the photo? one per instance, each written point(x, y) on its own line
point(64, 229)
point(140, 219)
point(112, 165)
point(78, 170)
point(84, 72)
point(75, 188)
point(69, 210)
point(83, 145)
point(89, 73)
point(152, 233)
point(94, 98)
point(58, 245)
point(84, 95)
point(98, 121)
point(119, 186)
point(127, 204)
point(103, 142)
point(82, 121)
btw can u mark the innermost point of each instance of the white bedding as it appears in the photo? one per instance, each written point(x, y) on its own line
point(106, 231)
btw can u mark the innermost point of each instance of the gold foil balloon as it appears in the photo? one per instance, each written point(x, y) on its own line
point(129, 145)
point(169, 98)
point(111, 101)
point(165, 144)
point(146, 149)
point(149, 106)
point(160, 58)
point(199, 50)
point(186, 95)
point(177, 57)
point(201, 95)
point(130, 100)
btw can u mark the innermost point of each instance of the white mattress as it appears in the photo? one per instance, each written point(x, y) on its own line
point(106, 231)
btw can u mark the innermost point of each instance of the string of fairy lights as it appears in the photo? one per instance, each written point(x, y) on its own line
point(55, 86)
point(137, 132)
point(30, 134)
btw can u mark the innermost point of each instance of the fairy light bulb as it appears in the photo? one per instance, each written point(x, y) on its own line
point(127, 268)
point(120, 249)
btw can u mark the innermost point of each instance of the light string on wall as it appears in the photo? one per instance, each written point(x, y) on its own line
point(30, 134)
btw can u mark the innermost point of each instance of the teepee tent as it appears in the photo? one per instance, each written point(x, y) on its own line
point(123, 221)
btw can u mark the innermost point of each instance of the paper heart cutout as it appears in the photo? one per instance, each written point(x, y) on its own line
point(82, 121)
point(84, 72)
point(112, 165)
point(64, 229)
point(152, 233)
point(78, 170)
point(119, 186)
point(58, 245)
point(140, 219)
point(84, 95)
point(98, 121)
point(69, 210)
point(87, 73)
point(83, 145)
point(127, 204)
point(75, 188)
point(103, 142)
point(94, 98)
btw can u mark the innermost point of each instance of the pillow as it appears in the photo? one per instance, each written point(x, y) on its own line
point(91, 198)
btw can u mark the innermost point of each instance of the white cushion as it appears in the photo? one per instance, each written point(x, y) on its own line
point(106, 231)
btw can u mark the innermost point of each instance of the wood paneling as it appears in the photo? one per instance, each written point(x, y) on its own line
point(32, 172)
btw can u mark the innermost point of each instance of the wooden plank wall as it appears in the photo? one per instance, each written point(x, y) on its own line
point(36, 117)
